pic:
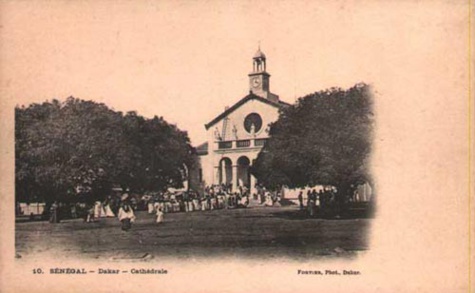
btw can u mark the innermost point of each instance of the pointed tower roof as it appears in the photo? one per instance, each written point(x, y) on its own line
point(259, 54)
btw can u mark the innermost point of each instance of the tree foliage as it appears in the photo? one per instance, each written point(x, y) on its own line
point(82, 145)
point(323, 139)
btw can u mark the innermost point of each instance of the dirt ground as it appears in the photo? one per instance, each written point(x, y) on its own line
point(263, 232)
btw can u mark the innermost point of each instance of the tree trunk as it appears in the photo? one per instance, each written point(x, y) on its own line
point(344, 191)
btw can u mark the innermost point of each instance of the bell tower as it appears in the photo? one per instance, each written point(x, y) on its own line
point(259, 78)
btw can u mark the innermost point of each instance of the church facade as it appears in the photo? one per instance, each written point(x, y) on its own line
point(236, 136)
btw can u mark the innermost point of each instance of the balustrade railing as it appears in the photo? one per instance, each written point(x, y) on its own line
point(260, 142)
point(243, 143)
point(225, 144)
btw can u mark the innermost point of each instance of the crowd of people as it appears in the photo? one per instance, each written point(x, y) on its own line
point(321, 201)
point(122, 208)
point(214, 197)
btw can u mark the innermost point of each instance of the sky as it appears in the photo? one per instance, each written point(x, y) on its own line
point(188, 60)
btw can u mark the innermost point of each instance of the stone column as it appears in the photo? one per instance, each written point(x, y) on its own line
point(235, 177)
point(216, 175)
point(252, 185)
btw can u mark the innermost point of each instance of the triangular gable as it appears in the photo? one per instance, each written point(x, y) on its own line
point(249, 97)
point(202, 149)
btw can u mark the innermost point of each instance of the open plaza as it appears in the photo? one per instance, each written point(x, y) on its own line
point(264, 232)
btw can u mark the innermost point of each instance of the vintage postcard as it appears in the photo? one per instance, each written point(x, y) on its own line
point(236, 146)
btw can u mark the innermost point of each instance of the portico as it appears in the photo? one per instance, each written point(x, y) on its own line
point(233, 170)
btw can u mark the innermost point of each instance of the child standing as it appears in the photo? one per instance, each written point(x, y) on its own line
point(90, 215)
point(159, 215)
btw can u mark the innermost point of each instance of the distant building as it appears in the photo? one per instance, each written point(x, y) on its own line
point(236, 136)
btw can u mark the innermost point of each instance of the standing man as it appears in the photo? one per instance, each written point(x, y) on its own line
point(309, 202)
point(54, 213)
point(314, 202)
point(301, 199)
point(321, 200)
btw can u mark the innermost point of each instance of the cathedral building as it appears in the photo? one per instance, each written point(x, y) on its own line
point(236, 136)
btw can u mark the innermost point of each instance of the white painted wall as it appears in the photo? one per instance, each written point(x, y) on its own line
point(268, 114)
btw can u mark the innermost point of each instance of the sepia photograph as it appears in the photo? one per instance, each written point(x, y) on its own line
point(271, 178)
point(241, 146)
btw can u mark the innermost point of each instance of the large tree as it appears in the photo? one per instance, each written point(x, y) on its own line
point(323, 139)
point(62, 146)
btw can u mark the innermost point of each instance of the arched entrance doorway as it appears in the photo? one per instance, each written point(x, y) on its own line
point(243, 174)
point(225, 171)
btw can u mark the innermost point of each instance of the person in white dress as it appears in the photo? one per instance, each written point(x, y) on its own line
point(268, 199)
point(126, 213)
point(159, 216)
point(108, 211)
point(157, 205)
point(150, 206)
point(98, 209)
point(107, 208)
